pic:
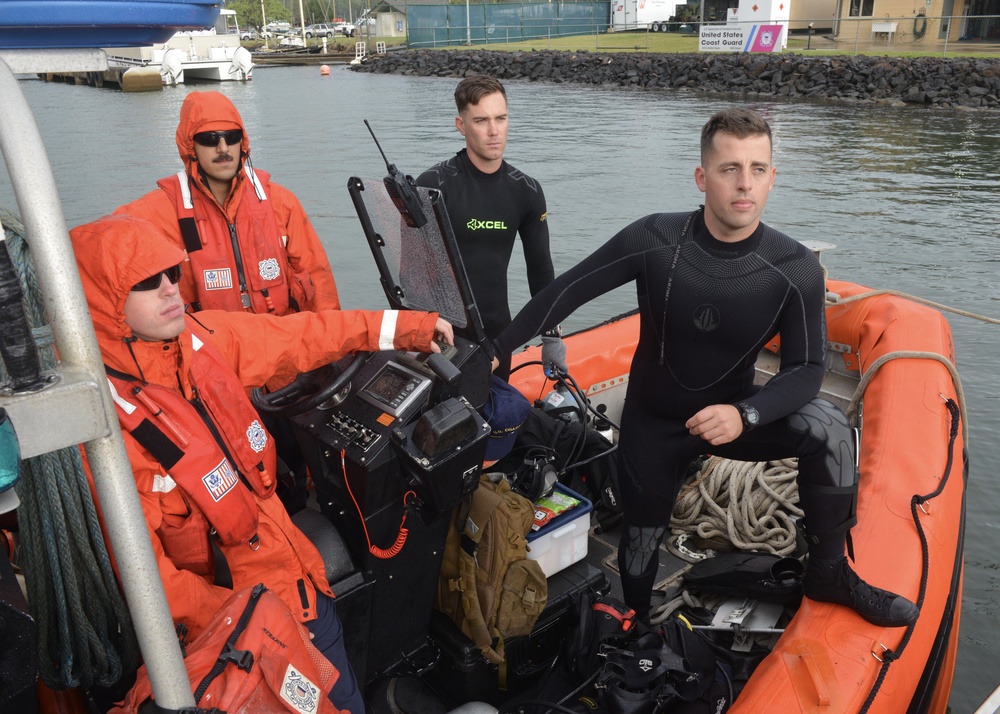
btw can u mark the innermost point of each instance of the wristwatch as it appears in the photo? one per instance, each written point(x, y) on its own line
point(749, 416)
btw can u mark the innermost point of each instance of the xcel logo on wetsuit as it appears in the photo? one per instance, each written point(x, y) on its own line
point(475, 224)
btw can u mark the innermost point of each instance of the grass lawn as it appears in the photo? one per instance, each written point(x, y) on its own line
point(672, 42)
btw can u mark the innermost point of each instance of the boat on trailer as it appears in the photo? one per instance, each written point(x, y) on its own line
point(891, 364)
point(213, 55)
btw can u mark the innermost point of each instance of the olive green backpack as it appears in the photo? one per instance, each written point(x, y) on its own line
point(488, 587)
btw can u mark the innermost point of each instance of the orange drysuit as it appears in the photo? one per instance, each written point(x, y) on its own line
point(280, 265)
point(115, 253)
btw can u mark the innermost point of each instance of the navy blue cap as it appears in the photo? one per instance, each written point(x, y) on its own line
point(505, 411)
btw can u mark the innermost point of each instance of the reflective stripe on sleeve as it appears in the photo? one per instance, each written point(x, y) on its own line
point(387, 335)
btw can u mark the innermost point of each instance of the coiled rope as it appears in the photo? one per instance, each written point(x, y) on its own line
point(752, 505)
point(749, 504)
point(85, 633)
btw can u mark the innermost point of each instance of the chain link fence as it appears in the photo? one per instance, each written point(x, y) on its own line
point(494, 23)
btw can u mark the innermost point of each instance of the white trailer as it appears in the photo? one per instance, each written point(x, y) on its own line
point(650, 15)
point(654, 15)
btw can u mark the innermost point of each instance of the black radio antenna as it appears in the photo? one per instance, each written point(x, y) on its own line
point(390, 167)
point(400, 190)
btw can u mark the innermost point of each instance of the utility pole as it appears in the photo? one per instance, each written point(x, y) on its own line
point(263, 24)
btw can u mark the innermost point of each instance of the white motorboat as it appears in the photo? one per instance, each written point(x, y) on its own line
point(213, 55)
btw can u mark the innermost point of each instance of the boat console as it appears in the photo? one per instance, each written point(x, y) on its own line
point(400, 445)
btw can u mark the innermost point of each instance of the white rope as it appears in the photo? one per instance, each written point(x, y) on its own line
point(869, 375)
point(833, 299)
point(749, 504)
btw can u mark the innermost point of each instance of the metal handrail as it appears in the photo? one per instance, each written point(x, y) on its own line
point(65, 303)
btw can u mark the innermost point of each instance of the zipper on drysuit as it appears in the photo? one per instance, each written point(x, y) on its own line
point(243, 659)
point(240, 275)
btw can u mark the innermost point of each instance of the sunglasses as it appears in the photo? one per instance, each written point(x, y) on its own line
point(153, 281)
point(211, 138)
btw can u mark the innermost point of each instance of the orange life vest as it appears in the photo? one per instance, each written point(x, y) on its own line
point(240, 266)
point(214, 447)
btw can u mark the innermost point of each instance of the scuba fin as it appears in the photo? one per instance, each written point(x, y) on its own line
point(762, 576)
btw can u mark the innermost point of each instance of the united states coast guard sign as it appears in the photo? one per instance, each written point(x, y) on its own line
point(740, 38)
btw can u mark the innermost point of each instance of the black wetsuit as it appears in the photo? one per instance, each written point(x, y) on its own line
point(487, 211)
point(706, 310)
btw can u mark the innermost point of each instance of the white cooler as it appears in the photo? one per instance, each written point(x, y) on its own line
point(563, 540)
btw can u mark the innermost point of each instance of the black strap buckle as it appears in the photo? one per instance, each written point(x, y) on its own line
point(243, 659)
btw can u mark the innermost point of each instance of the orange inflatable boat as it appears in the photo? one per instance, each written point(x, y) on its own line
point(890, 361)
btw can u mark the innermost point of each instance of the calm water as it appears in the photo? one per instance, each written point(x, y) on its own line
point(908, 196)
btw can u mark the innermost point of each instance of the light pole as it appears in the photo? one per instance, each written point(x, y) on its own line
point(302, 18)
point(263, 24)
point(468, 25)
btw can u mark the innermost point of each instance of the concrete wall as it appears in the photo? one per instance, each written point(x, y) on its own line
point(390, 24)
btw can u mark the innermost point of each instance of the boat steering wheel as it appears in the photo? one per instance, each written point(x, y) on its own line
point(309, 389)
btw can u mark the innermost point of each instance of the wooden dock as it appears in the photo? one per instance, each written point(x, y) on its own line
point(261, 59)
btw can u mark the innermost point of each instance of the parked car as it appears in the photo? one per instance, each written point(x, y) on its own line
point(248, 33)
point(345, 28)
point(321, 29)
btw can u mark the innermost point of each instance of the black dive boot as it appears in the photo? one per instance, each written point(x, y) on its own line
point(833, 581)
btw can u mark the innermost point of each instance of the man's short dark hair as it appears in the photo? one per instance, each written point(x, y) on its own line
point(471, 90)
point(738, 121)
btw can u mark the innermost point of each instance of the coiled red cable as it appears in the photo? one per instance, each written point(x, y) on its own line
point(383, 553)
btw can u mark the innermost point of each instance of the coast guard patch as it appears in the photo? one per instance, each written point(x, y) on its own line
point(221, 279)
point(257, 436)
point(269, 269)
point(766, 38)
point(220, 480)
point(298, 691)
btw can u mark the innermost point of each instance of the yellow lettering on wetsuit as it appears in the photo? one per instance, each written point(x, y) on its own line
point(476, 224)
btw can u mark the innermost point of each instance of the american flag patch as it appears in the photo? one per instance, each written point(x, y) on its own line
point(221, 279)
point(220, 480)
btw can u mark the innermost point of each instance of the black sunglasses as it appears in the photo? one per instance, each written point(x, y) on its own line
point(153, 281)
point(211, 138)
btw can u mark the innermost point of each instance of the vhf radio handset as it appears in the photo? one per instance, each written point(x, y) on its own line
point(401, 191)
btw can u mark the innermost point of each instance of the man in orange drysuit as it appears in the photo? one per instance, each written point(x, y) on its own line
point(250, 245)
point(201, 459)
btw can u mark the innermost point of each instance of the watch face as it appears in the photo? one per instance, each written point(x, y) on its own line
point(749, 414)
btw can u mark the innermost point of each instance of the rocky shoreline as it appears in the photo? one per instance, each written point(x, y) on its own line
point(955, 83)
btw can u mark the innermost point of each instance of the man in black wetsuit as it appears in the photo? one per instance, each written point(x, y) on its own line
point(714, 286)
point(489, 203)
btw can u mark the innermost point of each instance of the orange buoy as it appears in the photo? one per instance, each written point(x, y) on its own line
point(324, 69)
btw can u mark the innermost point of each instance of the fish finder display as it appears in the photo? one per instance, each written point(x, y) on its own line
point(395, 389)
